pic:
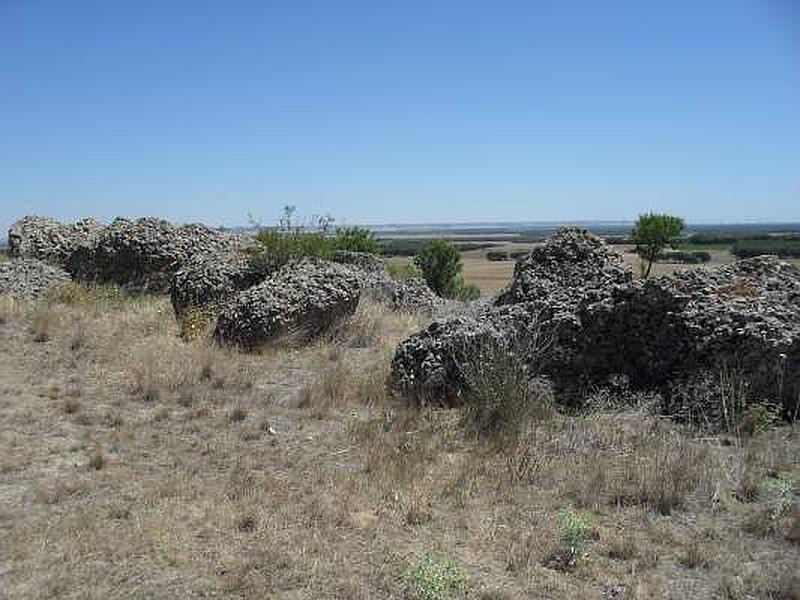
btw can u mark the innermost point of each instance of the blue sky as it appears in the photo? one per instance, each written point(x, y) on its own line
point(401, 111)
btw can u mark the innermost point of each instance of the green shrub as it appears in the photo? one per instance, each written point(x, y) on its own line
point(465, 291)
point(440, 264)
point(434, 576)
point(288, 241)
point(575, 531)
point(356, 239)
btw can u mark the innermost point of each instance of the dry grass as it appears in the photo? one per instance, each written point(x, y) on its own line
point(136, 464)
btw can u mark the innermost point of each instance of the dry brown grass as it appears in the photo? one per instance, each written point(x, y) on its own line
point(136, 464)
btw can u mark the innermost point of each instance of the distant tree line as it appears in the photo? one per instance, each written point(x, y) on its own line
point(783, 247)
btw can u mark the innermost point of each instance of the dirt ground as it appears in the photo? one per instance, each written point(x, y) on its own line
point(134, 464)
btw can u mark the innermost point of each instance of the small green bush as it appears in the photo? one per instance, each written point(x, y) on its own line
point(291, 242)
point(434, 576)
point(356, 239)
point(465, 291)
point(575, 531)
point(440, 264)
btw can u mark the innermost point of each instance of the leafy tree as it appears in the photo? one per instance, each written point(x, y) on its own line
point(440, 264)
point(356, 239)
point(654, 232)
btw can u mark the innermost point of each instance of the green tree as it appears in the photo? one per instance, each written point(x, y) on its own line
point(654, 232)
point(440, 264)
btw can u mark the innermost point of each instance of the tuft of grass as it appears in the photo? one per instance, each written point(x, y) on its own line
point(96, 461)
point(622, 546)
point(696, 556)
point(43, 320)
point(434, 576)
point(10, 309)
point(78, 294)
point(575, 528)
point(197, 323)
point(147, 379)
point(504, 397)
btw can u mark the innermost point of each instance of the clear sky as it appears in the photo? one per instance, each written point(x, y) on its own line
point(382, 111)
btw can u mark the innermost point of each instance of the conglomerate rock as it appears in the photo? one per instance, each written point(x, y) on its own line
point(410, 295)
point(300, 301)
point(743, 319)
point(433, 366)
point(46, 239)
point(370, 270)
point(597, 323)
point(570, 267)
point(209, 279)
point(414, 296)
point(542, 301)
point(29, 278)
point(143, 254)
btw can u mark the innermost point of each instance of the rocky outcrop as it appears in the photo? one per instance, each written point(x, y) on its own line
point(434, 366)
point(46, 239)
point(414, 295)
point(210, 279)
point(409, 295)
point(569, 268)
point(598, 323)
point(743, 319)
point(143, 254)
point(29, 278)
point(300, 301)
point(371, 272)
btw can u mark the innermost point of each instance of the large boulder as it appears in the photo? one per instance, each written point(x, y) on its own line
point(434, 365)
point(29, 278)
point(46, 239)
point(299, 302)
point(143, 254)
point(370, 270)
point(209, 279)
point(410, 295)
point(570, 267)
point(741, 319)
point(414, 296)
point(543, 301)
